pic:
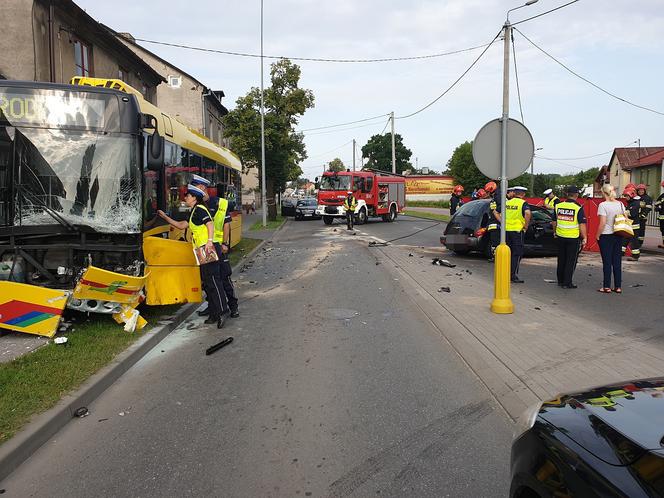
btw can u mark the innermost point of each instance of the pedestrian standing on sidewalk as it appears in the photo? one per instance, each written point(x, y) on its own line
point(349, 205)
point(455, 200)
point(610, 243)
point(659, 205)
point(569, 226)
point(517, 219)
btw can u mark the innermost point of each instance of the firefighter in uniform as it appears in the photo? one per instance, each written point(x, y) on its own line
point(219, 208)
point(633, 208)
point(569, 224)
point(517, 219)
point(550, 199)
point(659, 205)
point(455, 200)
point(645, 206)
point(350, 203)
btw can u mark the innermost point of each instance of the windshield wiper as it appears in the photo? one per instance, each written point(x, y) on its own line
point(54, 214)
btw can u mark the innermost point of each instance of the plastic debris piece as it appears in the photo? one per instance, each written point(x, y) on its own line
point(60, 340)
point(122, 414)
point(102, 420)
point(442, 262)
point(410, 254)
point(444, 289)
point(81, 412)
point(550, 281)
point(218, 346)
point(637, 285)
point(538, 308)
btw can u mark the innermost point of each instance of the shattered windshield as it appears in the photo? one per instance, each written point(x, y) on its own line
point(67, 177)
point(335, 182)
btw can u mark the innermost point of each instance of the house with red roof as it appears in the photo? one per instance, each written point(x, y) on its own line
point(635, 165)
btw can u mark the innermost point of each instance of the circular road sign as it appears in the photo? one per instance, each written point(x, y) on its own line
point(487, 149)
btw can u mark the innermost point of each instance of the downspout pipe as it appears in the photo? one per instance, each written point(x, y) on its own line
point(203, 95)
point(51, 42)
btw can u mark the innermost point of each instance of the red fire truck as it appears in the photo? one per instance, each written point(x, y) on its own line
point(378, 193)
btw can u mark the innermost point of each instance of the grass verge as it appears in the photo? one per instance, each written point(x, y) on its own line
point(429, 216)
point(35, 382)
point(244, 247)
point(271, 225)
point(432, 204)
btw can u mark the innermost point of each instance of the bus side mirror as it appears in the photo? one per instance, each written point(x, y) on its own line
point(155, 151)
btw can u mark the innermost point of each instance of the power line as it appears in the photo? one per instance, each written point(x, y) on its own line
point(338, 130)
point(544, 13)
point(385, 127)
point(582, 157)
point(344, 124)
point(311, 59)
point(516, 75)
point(332, 150)
point(455, 82)
point(587, 80)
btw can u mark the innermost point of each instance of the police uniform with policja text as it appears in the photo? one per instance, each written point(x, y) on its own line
point(219, 209)
point(569, 216)
point(515, 223)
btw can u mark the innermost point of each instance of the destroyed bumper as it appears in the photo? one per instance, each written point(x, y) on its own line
point(460, 241)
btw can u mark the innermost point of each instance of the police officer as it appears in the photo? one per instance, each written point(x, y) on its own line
point(633, 209)
point(570, 230)
point(219, 208)
point(201, 226)
point(455, 200)
point(645, 206)
point(349, 205)
point(517, 219)
point(550, 199)
point(494, 225)
point(659, 205)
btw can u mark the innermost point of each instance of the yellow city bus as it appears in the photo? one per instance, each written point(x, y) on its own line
point(84, 168)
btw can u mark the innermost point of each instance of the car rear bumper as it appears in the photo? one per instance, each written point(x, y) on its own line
point(460, 241)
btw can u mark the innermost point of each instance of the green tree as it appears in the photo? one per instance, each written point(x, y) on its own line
point(336, 164)
point(462, 168)
point(285, 103)
point(378, 152)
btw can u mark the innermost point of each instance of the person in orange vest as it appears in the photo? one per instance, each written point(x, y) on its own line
point(455, 200)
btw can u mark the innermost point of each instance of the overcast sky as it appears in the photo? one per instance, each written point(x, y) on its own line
point(617, 44)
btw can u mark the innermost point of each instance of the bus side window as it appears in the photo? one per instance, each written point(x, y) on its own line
point(176, 181)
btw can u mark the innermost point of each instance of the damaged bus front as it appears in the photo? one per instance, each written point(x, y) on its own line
point(71, 203)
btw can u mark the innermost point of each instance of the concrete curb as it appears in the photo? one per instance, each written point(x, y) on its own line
point(45, 425)
point(19, 448)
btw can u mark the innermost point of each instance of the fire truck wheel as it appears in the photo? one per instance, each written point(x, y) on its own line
point(362, 216)
point(328, 220)
point(393, 214)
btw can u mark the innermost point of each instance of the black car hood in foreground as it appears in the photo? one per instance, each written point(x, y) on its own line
point(616, 423)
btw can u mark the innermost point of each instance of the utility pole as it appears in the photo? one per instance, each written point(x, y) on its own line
point(394, 154)
point(353, 154)
point(263, 194)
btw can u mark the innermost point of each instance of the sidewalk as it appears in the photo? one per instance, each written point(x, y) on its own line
point(653, 235)
point(530, 355)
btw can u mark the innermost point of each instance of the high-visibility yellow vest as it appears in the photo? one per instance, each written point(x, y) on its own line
point(352, 205)
point(199, 233)
point(550, 203)
point(219, 220)
point(514, 219)
point(567, 220)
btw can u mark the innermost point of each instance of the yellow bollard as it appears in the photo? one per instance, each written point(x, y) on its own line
point(502, 303)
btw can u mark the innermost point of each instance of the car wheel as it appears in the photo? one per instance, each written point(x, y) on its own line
point(298, 216)
point(362, 216)
point(328, 220)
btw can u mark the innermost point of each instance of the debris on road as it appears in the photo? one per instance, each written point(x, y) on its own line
point(191, 326)
point(410, 254)
point(444, 289)
point(442, 262)
point(550, 281)
point(538, 308)
point(82, 412)
point(637, 285)
point(218, 346)
point(60, 340)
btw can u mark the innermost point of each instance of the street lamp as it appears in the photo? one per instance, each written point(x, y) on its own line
point(502, 303)
point(263, 188)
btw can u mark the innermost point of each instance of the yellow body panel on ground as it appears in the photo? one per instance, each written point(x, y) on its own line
point(31, 309)
point(173, 275)
point(104, 285)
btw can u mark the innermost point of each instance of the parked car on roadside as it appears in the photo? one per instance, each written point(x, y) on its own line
point(306, 208)
point(467, 230)
point(605, 441)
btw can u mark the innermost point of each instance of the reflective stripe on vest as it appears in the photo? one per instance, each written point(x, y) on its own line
point(567, 220)
point(218, 219)
point(550, 203)
point(514, 219)
point(199, 233)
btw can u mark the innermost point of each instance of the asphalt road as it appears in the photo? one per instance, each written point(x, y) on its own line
point(638, 309)
point(335, 385)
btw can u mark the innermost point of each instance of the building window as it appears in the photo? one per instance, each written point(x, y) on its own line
point(82, 58)
point(175, 81)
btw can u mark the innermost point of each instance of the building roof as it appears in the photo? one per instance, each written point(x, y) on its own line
point(213, 95)
point(95, 32)
point(651, 159)
point(629, 157)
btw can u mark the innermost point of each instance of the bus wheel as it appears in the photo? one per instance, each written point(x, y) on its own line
point(362, 216)
point(328, 220)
